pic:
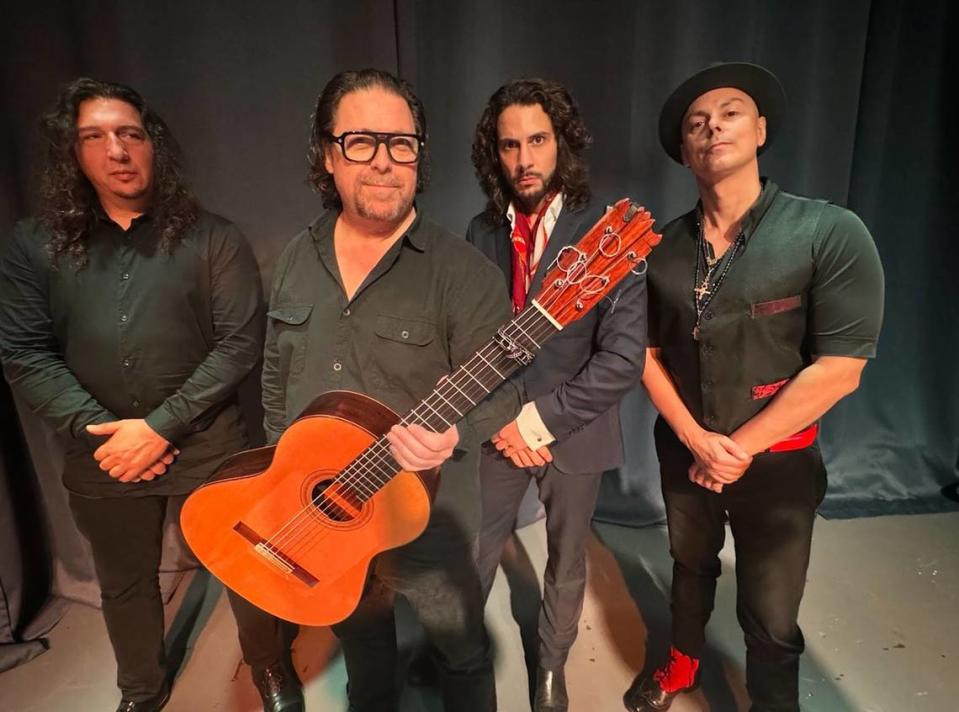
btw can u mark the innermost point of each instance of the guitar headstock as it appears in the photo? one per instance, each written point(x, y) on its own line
point(584, 273)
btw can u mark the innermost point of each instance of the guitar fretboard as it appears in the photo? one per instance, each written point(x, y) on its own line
point(453, 397)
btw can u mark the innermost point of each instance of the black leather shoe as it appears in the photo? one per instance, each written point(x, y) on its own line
point(279, 688)
point(550, 691)
point(154, 704)
point(645, 695)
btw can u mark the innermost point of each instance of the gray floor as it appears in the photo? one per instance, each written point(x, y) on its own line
point(880, 618)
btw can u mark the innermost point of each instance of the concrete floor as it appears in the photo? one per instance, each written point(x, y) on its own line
point(880, 618)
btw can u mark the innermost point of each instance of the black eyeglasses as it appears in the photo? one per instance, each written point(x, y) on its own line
point(361, 146)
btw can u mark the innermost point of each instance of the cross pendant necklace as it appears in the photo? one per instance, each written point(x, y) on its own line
point(703, 289)
point(704, 292)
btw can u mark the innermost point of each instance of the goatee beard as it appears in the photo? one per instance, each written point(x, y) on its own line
point(385, 211)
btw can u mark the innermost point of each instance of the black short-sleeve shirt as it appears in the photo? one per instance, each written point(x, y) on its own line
point(808, 282)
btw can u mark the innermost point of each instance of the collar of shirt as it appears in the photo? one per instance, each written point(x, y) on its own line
point(321, 229)
point(100, 216)
point(756, 212)
point(545, 228)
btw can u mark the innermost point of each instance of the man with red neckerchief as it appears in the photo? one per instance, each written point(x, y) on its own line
point(763, 308)
point(528, 156)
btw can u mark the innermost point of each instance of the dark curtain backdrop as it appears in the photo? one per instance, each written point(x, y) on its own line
point(236, 81)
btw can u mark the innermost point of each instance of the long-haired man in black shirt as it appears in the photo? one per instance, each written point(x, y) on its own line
point(129, 317)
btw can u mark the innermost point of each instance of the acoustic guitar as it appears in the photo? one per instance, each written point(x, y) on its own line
point(292, 527)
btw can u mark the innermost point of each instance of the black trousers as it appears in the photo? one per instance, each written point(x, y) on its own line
point(126, 537)
point(437, 575)
point(569, 500)
point(770, 511)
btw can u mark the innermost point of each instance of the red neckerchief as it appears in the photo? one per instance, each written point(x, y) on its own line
point(523, 240)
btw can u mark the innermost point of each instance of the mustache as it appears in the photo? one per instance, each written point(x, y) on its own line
point(382, 184)
point(527, 174)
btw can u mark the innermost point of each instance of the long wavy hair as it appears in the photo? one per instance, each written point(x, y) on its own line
point(572, 138)
point(67, 198)
point(325, 113)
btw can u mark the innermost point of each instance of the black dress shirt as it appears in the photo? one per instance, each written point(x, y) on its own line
point(136, 333)
point(430, 302)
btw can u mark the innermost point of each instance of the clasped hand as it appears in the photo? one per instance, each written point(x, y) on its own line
point(717, 460)
point(133, 452)
point(510, 442)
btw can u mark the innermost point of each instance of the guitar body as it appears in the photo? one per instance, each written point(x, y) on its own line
point(257, 525)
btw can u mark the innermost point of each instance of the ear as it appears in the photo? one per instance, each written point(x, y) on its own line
point(328, 157)
point(761, 131)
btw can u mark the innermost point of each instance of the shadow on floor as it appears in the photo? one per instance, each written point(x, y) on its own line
point(642, 555)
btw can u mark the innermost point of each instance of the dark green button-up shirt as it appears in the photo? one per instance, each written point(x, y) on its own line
point(136, 333)
point(807, 283)
point(430, 302)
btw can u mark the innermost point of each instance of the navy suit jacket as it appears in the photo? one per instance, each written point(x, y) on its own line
point(580, 375)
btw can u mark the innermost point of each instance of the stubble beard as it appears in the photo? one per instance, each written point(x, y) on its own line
point(384, 210)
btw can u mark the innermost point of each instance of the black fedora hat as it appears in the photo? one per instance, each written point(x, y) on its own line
point(761, 84)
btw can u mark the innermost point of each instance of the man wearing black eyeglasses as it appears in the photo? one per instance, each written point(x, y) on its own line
point(374, 298)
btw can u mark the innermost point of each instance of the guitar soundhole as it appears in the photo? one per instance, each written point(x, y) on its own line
point(336, 501)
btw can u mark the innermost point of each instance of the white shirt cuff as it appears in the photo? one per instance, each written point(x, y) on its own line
point(532, 428)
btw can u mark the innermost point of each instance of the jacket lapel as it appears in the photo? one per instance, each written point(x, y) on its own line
point(567, 230)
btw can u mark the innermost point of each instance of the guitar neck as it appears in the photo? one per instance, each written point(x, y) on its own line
point(513, 346)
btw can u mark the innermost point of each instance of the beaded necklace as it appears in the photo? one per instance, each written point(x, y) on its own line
point(704, 291)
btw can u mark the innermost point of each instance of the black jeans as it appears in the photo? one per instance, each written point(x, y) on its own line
point(437, 575)
point(126, 537)
point(570, 500)
point(770, 510)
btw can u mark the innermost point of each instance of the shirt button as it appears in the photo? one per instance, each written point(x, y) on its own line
point(125, 275)
point(405, 334)
point(123, 317)
point(126, 362)
point(136, 404)
point(337, 366)
point(346, 312)
point(710, 418)
point(708, 315)
point(707, 384)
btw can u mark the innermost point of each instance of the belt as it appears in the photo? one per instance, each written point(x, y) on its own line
point(796, 441)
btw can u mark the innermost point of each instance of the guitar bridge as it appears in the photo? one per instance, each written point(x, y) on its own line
point(274, 558)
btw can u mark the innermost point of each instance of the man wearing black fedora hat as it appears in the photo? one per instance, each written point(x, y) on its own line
point(763, 309)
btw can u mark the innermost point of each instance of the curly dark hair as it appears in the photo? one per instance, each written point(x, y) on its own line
point(572, 138)
point(68, 200)
point(324, 114)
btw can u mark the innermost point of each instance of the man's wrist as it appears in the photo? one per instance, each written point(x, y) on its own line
point(532, 428)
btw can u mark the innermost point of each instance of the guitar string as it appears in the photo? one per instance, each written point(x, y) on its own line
point(383, 456)
point(377, 454)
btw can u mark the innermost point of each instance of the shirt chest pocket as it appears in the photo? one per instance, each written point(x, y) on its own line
point(403, 351)
point(290, 326)
point(758, 310)
point(409, 332)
